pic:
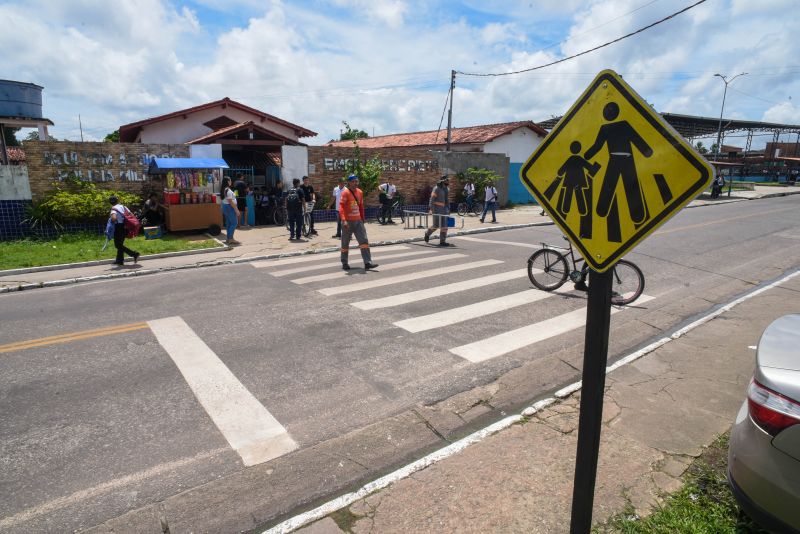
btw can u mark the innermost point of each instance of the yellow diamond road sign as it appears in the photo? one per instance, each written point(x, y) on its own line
point(612, 171)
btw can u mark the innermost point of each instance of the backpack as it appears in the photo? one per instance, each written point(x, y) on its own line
point(293, 200)
point(132, 225)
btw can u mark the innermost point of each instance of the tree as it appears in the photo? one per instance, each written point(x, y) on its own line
point(349, 133)
point(700, 148)
point(368, 171)
point(113, 137)
point(11, 136)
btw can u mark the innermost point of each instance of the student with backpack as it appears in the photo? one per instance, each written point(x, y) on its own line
point(295, 201)
point(117, 219)
point(491, 201)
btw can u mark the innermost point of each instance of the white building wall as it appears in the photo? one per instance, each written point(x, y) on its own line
point(179, 130)
point(518, 145)
point(205, 151)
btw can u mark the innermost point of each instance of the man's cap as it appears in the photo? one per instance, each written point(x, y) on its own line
point(352, 177)
point(444, 177)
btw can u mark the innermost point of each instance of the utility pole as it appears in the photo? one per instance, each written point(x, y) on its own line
point(80, 126)
point(719, 129)
point(450, 111)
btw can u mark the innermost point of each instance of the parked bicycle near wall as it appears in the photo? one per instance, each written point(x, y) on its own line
point(548, 270)
point(393, 209)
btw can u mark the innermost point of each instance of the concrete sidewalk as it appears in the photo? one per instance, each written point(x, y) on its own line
point(660, 410)
point(272, 241)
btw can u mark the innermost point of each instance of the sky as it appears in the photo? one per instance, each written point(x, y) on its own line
point(384, 65)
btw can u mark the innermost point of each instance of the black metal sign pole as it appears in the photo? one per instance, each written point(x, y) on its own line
point(595, 354)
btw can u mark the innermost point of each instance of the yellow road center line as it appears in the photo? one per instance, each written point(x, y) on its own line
point(74, 336)
point(719, 221)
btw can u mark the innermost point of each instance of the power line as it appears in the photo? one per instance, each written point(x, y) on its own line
point(446, 100)
point(640, 30)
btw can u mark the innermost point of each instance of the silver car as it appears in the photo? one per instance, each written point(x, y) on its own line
point(764, 452)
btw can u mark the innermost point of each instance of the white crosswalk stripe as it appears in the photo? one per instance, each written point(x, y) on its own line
point(313, 257)
point(438, 291)
point(338, 263)
point(389, 267)
point(478, 309)
point(506, 342)
point(493, 241)
point(379, 282)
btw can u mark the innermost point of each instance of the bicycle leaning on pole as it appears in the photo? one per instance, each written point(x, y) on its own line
point(548, 270)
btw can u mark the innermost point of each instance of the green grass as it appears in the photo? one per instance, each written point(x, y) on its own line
point(704, 505)
point(74, 248)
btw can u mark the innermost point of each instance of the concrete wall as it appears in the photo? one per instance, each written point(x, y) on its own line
point(517, 145)
point(14, 184)
point(456, 162)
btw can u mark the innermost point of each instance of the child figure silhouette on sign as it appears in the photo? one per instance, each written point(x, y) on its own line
point(578, 185)
point(620, 137)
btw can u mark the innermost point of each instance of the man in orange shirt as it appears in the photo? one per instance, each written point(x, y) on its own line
point(351, 213)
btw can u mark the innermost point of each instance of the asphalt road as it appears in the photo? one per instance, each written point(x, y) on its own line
point(201, 374)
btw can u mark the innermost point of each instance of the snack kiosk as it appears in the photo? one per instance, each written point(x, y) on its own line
point(190, 186)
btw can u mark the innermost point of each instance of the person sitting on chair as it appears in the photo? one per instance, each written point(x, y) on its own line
point(152, 215)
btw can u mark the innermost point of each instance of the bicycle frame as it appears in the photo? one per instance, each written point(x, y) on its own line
point(568, 252)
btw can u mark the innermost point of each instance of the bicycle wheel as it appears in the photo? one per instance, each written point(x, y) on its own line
point(477, 208)
point(462, 208)
point(306, 224)
point(627, 283)
point(401, 214)
point(547, 269)
point(381, 217)
point(279, 216)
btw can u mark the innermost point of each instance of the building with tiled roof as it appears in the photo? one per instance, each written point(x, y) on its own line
point(248, 139)
point(517, 140)
point(470, 137)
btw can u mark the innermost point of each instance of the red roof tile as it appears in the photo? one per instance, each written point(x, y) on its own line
point(459, 136)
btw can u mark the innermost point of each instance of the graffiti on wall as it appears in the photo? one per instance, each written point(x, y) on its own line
point(393, 165)
point(131, 168)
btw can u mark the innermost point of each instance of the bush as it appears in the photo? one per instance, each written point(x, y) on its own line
point(77, 201)
point(479, 177)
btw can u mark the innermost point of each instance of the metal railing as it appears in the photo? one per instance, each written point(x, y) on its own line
point(419, 219)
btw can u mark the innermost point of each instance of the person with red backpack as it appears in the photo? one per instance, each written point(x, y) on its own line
point(117, 219)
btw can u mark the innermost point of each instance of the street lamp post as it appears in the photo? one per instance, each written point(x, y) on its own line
point(719, 129)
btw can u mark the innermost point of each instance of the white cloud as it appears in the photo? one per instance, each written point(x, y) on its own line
point(385, 64)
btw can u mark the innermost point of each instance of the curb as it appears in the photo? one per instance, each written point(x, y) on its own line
point(78, 280)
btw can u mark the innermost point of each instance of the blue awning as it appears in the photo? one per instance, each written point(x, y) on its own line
point(161, 165)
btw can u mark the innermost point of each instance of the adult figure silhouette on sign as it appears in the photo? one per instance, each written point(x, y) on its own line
point(619, 136)
point(576, 183)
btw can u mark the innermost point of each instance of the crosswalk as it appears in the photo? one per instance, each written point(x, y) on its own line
point(431, 267)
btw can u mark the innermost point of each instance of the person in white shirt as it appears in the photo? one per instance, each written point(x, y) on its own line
point(386, 195)
point(491, 201)
point(337, 195)
point(469, 194)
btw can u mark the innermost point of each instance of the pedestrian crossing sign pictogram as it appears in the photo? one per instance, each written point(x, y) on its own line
point(612, 171)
